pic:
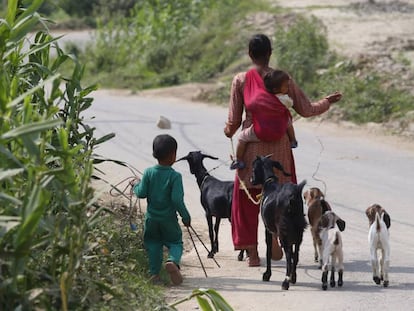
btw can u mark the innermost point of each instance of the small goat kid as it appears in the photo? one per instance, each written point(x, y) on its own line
point(215, 195)
point(317, 206)
point(378, 239)
point(332, 253)
point(281, 208)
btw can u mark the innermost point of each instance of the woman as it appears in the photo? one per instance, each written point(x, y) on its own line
point(270, 119)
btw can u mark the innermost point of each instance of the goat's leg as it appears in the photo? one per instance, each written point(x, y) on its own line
point(216, 230)
point(374, 264)
point(288, 253)
point(295, 264)
point(320, 255)
point(325, 267)
point(315, 248)
point(386, 264)
point(240, 255)
point(210, 233)
point(340, 267)
point(325, 276)
point(268, 273)
point(333, 263)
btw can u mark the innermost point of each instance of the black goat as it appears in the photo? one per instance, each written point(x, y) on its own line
point(216, 195)
point(281, 208)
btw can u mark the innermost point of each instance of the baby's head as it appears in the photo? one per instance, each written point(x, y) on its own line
point(164, 149)
point(276, 81)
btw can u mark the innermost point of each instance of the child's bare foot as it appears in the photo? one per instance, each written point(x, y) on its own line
point(174, 272)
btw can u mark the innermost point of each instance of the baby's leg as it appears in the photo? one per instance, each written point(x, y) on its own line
point(292, 136)
point(241, 148)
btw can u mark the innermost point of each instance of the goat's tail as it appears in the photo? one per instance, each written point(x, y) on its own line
point(377, 221)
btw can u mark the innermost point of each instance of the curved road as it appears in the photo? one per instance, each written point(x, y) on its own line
point(359, 169)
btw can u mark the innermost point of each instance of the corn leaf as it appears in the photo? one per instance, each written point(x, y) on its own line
point(17, 100)
point(204, 304)
point(31, 128)
point(10, 173)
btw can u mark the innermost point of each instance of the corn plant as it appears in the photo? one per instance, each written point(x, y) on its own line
point(46, 156)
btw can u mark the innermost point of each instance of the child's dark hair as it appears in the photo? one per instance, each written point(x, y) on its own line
point(273, 80)
point(163, 145)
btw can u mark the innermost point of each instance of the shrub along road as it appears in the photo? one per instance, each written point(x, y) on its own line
point(359, 169)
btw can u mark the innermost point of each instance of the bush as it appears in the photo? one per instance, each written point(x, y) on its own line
point(302, 48)
point(164, 43)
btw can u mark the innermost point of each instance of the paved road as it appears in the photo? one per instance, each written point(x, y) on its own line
point(357, 168)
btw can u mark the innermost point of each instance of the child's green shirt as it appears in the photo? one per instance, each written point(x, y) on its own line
point(163, 188)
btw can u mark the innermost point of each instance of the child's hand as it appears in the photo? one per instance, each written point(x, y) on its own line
point(132, 184)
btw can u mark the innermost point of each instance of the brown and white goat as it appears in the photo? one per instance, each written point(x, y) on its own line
point(317, 206)
point(332, 253)
point(378, 239)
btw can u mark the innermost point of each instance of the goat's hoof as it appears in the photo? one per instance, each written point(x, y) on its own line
point(285, 285)
point(293, 278)
point(325, 286)
point(386, 283)
point(376, 280)
point(266, 277)
point(332, 283)
point(240, 256)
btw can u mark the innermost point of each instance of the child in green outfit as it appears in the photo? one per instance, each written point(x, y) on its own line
point(163, 188)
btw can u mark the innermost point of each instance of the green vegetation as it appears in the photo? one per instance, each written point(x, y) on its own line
point(167, 43)
point(59, 248)
point(302, 50)
point(193, 41)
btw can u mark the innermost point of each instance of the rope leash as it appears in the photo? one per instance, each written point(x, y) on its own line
point(242, 183)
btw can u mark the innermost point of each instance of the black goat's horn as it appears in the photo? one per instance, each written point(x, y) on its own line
point(209, 156)
point(183, 158)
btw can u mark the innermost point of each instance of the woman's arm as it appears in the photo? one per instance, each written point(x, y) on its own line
point(305, 107)
point(236, 105)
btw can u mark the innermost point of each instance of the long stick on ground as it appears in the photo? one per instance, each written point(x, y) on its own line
point(198, 255)
point(196, 234)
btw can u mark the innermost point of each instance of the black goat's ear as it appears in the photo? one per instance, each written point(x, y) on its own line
point(387, 220)
point(276, 164)
point(341, 224)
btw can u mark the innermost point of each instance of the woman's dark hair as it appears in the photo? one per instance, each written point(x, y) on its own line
point(260, 46)
point(163, 146)
point(273, 80)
